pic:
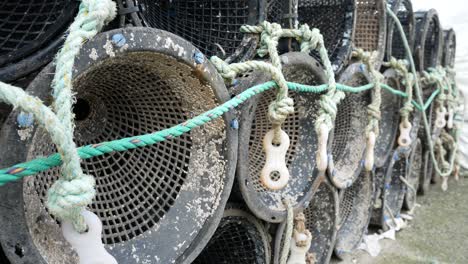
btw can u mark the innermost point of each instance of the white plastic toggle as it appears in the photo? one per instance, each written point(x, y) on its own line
point(369, 162)
point(440, 121)
point(405, 130)
point(88, 245)
point(322, 158)
point(275, 162)
point(297, 253)
point(450, 118)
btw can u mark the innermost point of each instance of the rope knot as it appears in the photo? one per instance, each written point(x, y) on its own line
point(66, 198)
point(279, 110)
point(311, 39)
point(223, 68)
point(269, 37)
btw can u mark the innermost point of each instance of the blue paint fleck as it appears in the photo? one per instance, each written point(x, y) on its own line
point(198, 57)
point(234, 124)
point(25, 119)
point(119, 40)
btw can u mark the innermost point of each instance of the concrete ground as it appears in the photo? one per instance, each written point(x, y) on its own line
point(438, 233)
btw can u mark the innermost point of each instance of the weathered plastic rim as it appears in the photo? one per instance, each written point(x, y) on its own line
point(423, 20)
point(185, 52)
point(450, 48)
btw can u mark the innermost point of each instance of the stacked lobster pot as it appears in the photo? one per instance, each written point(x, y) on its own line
point(144, 196)
point(239, 238)
point(429, 37)
point(392, 154)
point(215, 163)
point(30, 36)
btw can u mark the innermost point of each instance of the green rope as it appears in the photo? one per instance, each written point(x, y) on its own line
point(421, 102)
point(36, 166)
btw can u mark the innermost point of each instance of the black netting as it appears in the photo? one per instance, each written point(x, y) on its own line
point(404, 12)
point(26, 25)
point(212, 26)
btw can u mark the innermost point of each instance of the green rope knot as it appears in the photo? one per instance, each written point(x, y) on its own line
point(67, 198)
point(328, 109)
point(311, 39)
point(269, 38)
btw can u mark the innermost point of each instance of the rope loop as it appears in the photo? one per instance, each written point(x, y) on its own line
point(278, 111)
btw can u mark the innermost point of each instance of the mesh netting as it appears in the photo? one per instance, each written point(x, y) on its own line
point(370, 30)
point(275, 10)
point(26, 25)
point(239, 239)
point(404, 11)
point(335, 19)
point(212, 26)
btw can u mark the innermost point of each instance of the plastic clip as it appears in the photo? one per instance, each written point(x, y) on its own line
point(275, 174)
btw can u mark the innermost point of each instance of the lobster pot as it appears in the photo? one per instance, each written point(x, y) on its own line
point(239, 239)
point(264, 202)
point(404, 11)
point(413, 175)
point(30, 34)
point(321, 219)
point(390, 190)
point(349, 139)
point(390, 119)
point(450, 48)
point(212, 26)
point(370, 30)
point(355, 211)
point(335, 20)
point(145, 195)
point(428, 40)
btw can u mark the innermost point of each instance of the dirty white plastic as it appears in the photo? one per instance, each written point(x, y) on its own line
point(440, 121)
point(322, 158)
point(405, 138)
point(88, 245)
point(298, 254)
point(450, 118)
point(444, 184)
point(275, 161)
point(369, 162)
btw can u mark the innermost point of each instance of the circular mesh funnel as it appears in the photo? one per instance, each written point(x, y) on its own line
point(355, 211)
point(349, 141)
point(390, 119)
point(265, 203)
point(370, 30)
point(413, 174)
point(30, 30)
point(146, 195)
point(450, 48)
point(404, 11)
point(335, 20)
point(239, 239)
point(321, 217)
point(390, 189)
point(212, 26)
point(428, 40)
